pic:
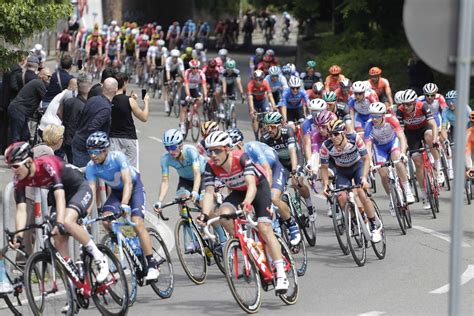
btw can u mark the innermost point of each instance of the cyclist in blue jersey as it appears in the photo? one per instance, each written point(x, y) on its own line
point(127, 195)
point(256, 59)
point(277, 176)
point(293, 101)
point(277, 82)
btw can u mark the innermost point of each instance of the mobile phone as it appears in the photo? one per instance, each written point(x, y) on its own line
point(143, 94)
point(79, 64)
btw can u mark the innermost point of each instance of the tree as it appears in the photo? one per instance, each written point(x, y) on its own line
point(19, 19)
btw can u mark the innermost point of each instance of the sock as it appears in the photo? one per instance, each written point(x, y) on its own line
point(406, 186)
point(310, 209)
point(450, 164)
point(290, 222)
point(372, 223)
point(93, 250)
point(438, 165)
point(280, 269)
point(220, 232)
point(150, 261)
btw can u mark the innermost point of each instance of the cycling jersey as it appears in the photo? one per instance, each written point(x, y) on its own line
point(449, 116)
point(189, 160)
point(308, 80)
point(261, 153)
point(416, 119)
point(212, 75)
point(174, 30)
point(379, 87)
point(346, 157)
point(235, 180)
point(259, 93)
point(130, 45)
point(282, 144)
point(308, 124)
point(342, 111)
point(384, 134)
point(436, 107)
point(361, 108)
point(230, 77)
point(255, 60)
point(293, 101)
point(173, 67)
point(113, 49)
point(313, 95)
point(110, 170)
point(332, 83)
point(278, 85)
point(193, 78)
point(200, 55)
point(343, 97)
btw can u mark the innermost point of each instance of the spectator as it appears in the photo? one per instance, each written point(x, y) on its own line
point(97, 88)
point(94, 117)
point(25, 105)
point(53, 136)
point(15, 71)
point(72, 109)
point(59, 81)
point(30, 72)
point(123, 135)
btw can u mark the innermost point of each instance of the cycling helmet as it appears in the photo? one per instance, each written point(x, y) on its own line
point(409, 96)
point(451, 95)
point(323, 118)
point(345, 84)
point(272, 118)
point(335, 70)
point(218, 139)
point(317, 105)
point(194, 63)
point(292, 67)
point(318, 87)
point(375, 71)
point(105, 27)
point(329, 96)
point(270, 52)
point(430, 88)
point(294, 82)
point(236, 135)
point(173, 137)
point(18, 152)
point(38, 47)
point(258, 74)
point(471, 116)
point(274, 71)
point(98, 140)
point(209, 127)
point(113, 23)
point(286, 70)
point(222, 52)
point(377, 108)
point(134, 32)
point(212, 63)
point(160, 43)
point(199, 46)
point(174, 53)
point(336, 126)
point(188, 50)
point(311, 64)
point(145, 37)
point(230, 64)
point(259, 51)
point(359, 86)
point(267, 58)
point(398, 97)
point(158, 28)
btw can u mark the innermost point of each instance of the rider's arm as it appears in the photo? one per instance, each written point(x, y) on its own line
point(239, 85)
point(20, 217)
point(142, 115)
point(268, 91)
point(251, 189)
point(250, 97)
point(209, 183)
point(307, 146)
point(292, 149)
point(127, 185)
point(163, 188)
point(324, 165)
point(444, 123)
point(204, 85)
point(364, 154)
point(224, 85)
point(388, 92)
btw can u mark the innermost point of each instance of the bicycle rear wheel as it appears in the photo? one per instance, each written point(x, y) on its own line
point(176, 104)
point(397, 206)
point(291, 295)
point(468, 189)
point(190, 251)
point(355, 237)
point(430, 193)
point(195, 125)
point(339, 225)
point(165, 284)
point(308, 227)
point(243, 277)
point(300, 256)
point(411, 173)
point(444, 169)
point(380, 248)
point(48, 289)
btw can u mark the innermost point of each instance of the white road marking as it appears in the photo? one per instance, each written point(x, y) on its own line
point(465, 277)
point(438, 234)
point(138, 131)
point(156, 139)
point(373, 313)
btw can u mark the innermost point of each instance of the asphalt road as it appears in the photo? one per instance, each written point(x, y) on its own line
point(415, 264)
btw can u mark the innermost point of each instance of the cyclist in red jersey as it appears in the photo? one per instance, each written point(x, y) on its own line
point(245, 180)
point(71, 195)
point(344, 92)
point(265, 64)
point(316, 92)
point(334, 78)
point(419, 125)
point(259, 92)
point(381, 86)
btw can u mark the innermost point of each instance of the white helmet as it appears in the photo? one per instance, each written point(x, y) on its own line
point(294, 82)
point(430, 88)
point(317, 105)
point(199, 46)
point(158, 28)
point(398, 97)
point(117, 29)
point(222, 52)
point(135, 32)
point(292, 67)
point(377, 108)
point(318, 87)
point(113, 23)
point(145, 37)
point(409, 96)
point(164, 50)
point(38, 47)
point(173, 137)
point(359, 86)
point(274, 71)
point(218, 139)
point(174, 53)
point(160, 42)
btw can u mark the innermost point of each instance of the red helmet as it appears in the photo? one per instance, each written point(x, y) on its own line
point(267, 58)
point(18, 152)
point(194, 63)
point(375, 71)
point(212, 63)
point(335, 70)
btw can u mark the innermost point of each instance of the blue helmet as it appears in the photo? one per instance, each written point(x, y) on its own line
point(236, 135)
point(173, 137)
point(98, 140)
point(451, 96)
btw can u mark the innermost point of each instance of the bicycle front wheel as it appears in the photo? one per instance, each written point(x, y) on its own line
point(165, 284)
point(195, 125)
point(243, 277)
point(190, 251)
point(300, 256)
point(48, 288)
point(397, 206)
point(355, 237)
point(291, 295)
point(307, 226)
point(339, 224)
point(380, 248)
point(111, 296)
point(430, 193)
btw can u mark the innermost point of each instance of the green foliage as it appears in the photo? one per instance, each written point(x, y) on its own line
point(19, 19)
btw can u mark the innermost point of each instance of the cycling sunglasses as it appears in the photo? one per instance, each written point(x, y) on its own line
point(334, 134)
point(295, 89)
point(377, 117)
point(215, 151)
point(358, 93)
point(171, 148)
point(272, 126)
point(430, 95)
point(19, 164)
point(94, 152)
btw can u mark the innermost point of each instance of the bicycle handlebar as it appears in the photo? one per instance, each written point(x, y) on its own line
point(235, 215)
point(386, 164)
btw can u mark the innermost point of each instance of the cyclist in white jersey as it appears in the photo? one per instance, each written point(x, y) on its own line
point(174, 69)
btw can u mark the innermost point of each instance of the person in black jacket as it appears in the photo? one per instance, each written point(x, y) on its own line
point(30, 72)
point(96, 116)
